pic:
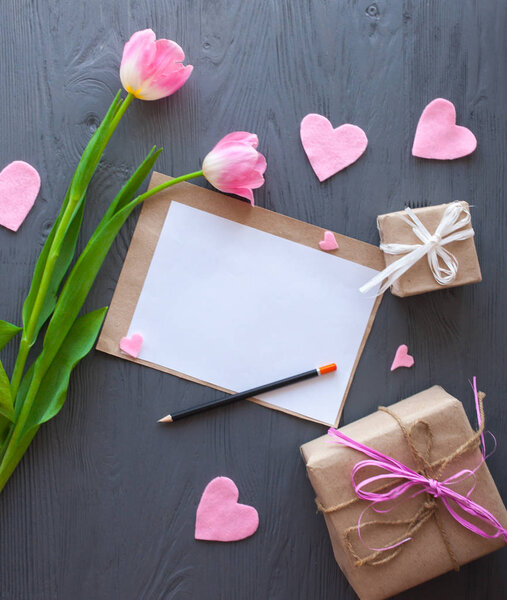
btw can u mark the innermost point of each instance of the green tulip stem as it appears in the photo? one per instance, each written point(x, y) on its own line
point(167, 184)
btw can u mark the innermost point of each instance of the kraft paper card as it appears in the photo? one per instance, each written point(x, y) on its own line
point(233, 296)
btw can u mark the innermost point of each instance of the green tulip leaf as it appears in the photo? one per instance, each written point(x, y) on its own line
point(61, 265)
point(7, 332)
point(53, 387)
point(52, 391)
point(6, 407)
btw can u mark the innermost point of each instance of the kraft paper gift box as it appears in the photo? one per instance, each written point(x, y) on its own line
point(440, 543)
point(394, 229)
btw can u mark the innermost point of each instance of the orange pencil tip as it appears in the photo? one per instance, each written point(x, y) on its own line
point(327, 369)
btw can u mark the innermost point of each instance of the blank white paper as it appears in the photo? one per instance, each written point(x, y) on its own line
point(237, 307)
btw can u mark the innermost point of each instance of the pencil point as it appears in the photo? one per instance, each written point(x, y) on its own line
point(167, 419)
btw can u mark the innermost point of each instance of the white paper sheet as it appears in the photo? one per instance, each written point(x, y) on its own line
point(238, 307)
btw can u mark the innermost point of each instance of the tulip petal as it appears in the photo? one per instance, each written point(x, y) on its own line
point(253, 180)
point(261, 165)
point(240, 136)
point(139, 50)
point(229, 164)
point(141, 43)
point(244, 192)
point(161, 86)
point(167, 52)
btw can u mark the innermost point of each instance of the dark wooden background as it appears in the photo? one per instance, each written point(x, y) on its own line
point(103, 505)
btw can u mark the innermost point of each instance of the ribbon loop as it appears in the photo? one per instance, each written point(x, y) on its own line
point(443, 264)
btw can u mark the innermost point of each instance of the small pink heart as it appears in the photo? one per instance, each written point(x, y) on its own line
point(402, 358)
point(329, 242)
point(220, 517)
point(437, 135)
point(132, 345)
point(19, 186)
point(331, 150)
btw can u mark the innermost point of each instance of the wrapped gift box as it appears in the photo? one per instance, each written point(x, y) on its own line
point(426, 555)
point(394, 229)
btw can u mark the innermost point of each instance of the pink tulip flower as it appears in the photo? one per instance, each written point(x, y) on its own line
point(235, 166)
point(150, 68)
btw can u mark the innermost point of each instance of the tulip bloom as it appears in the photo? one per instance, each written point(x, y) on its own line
point(235, 166)
point(150, 68)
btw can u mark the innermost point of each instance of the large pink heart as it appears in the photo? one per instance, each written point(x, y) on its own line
point(437, 135)
point(19, 186)
point(331, 150)
point(219, 516)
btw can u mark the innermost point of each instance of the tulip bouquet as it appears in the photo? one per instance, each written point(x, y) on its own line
point(150, 69)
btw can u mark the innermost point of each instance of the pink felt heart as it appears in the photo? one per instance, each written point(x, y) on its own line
point(219, 516)
point(329, 242)
point(331, 150)
point(402, 358)
point(437, 135)
point(19, 186)
point(132, 345)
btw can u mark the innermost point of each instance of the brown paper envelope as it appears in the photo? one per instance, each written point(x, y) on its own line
point(144, 242)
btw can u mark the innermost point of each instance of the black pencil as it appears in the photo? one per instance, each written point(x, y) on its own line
point(186, 412)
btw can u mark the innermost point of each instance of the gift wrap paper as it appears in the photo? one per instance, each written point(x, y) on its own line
point(393, 229)
point(329, 467)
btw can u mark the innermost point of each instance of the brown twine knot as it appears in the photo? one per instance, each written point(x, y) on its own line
point(428, 509)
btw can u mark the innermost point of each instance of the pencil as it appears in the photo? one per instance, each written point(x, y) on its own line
point(186, 412)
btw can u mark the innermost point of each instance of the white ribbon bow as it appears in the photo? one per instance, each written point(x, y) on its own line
point(432, 246)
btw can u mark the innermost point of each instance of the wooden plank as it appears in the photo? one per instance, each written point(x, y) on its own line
point(103, 505)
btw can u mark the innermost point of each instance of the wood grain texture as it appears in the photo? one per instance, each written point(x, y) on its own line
point(103, 504)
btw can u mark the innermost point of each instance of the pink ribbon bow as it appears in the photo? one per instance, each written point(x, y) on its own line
point(411, 480)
